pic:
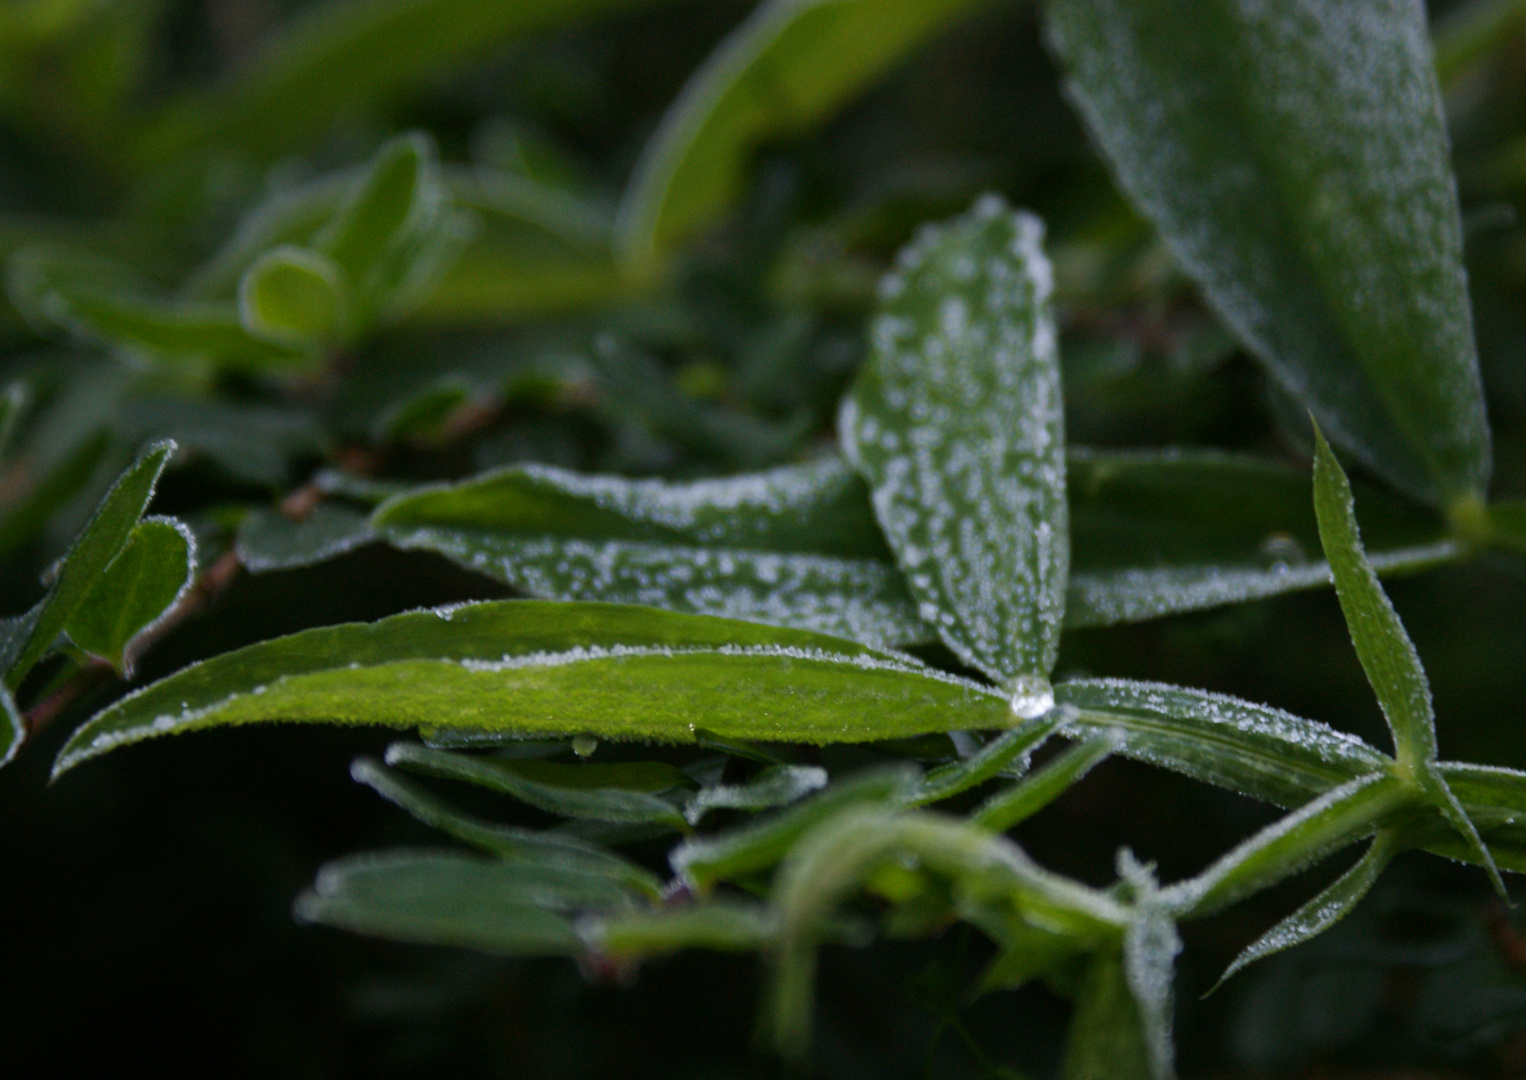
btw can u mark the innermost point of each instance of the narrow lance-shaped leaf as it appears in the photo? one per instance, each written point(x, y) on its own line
point(546, 847)
point(993, 758)
point(957, 423)
point(777, 785)
point(781, 72)
point(1332, 905)
point(135, 592)
point(607, 670)
point(1253, 749)
point(620, 793)
point(447, 898)
point(1294, 158)
point(80, 568)
point(1387, 654)
point(794, 546)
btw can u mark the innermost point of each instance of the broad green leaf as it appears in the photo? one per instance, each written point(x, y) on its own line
point(1107, 1037)
point(625, 793)
point(1387, 654)
point(719, 925)
point(777, 785)
point(293, 294)
point(58, 484)
point(742, 852)
point(268, 540)
point(1253, 749)
point(956, 421)
point(87, 559)
point(780, 73)
point(290, 216)
point(135, 591)
point(994, 758)
point(339, 59)
point(444, 898)
point(546, 848)
point(1160, 532)
point(795, 546)
point(1031, 794)
point(1339, 817)
point(12, 727)
point(607, 670)
point(1294, 159)
point(1324, 911)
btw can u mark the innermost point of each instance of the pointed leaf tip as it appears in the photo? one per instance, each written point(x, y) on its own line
point(1384, 648)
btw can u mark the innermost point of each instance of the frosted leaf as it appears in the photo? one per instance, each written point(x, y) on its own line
point(268, 541)
point(861, 599)
point(1293, 156)
point(1254, 749)
point(957, 423)
point(12, 729)
point(1150, 948)
point(778, 785)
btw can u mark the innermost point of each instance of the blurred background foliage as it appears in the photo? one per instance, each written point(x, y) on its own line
point(163, 148)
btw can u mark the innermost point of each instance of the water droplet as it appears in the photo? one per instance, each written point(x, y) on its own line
point(1031, 696)
point(584, 745)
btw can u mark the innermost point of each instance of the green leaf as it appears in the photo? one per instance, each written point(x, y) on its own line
point(777, 785)
point(53, 490)
point(993, 758)
point(268, 540)
point(76, 574)
point(1253, 749)
point(399, 193)
point(607, 670)
point(1339, 817)
point(445, 898)
point(1388, 656)
point(1028, 796)
point(12, 727)
point(794, 546)
point(1453, 812)
point(781, 73)
point(957, 423)
point(1324, 911)
point(1507, 522)
point(1312, 206)
point(1107, 1036)
point(548, 848)
point(1159, 532)
point(186, 333)
point(135, 591)
point(625, 793)
point(739, 853)
point(340, 58)
point(292, 294)
point(718, 925)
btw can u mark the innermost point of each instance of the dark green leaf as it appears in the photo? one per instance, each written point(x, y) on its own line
point(608, 670)
point(53, 490)
point(13, 402)
point(957, 423)
point(268, 540)
point(1295, 161)
point(624, 793)
point(782, 72)
point(1324, 911)
point(444, 898)
point(1388, 656)
point(1253, 749)
point(87, 559)
point(1452, 811)
point(547, 848)
point(134, 592)
point(721, 925)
